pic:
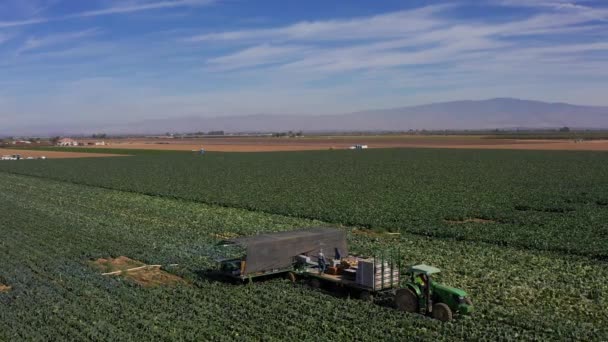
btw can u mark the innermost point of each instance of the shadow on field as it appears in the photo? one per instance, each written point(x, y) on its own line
point(326, 288)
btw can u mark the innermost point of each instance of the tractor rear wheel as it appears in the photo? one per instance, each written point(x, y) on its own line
point(315, 283)
point(366, 296)
point(406, 300)
point(442, 312)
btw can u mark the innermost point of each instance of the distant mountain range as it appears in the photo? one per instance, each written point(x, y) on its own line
point(501, 113)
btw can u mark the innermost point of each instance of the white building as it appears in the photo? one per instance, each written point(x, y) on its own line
point(67, 142)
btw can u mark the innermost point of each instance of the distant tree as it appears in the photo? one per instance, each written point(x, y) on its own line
point(55, 140)
point(564, 129)
point(99, 136)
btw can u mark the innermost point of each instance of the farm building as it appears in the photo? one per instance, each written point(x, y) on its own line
point(67, 142)
point(358, 147)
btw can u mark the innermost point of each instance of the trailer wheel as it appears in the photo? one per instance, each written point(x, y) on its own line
point(314, 283)
point(442, 312)
point(366, 296)
point(406, 300)
point(292, 277)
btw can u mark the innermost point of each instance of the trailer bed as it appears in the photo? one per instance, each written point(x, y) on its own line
point(339, 279)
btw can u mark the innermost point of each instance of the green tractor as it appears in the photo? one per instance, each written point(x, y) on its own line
point(420, 294)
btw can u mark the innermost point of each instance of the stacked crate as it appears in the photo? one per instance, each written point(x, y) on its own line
point(376, 275)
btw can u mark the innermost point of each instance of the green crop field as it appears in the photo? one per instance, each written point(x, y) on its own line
point(554, 201)
point(524, 233)
point(51, 230)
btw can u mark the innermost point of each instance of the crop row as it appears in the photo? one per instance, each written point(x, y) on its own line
point(55, 228)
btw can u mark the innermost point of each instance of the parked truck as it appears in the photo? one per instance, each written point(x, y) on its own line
point(320, 256)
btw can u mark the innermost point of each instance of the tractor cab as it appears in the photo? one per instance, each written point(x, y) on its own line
point(230, 259)
point(230, 267)
point(421, 294)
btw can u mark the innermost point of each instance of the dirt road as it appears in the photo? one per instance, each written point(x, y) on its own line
point(54, 154)
point(265, 144)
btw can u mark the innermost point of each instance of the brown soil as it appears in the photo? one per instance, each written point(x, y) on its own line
point(470, 220)
point(147, 276)
point(154, 277)
point(54, 154)
point(266, 144)
point(4, 288)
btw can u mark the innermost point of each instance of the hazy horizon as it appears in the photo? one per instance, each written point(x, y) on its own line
point(497, 113)
point(115, 62)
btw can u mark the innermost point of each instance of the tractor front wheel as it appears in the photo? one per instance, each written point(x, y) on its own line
point(442, 312)
point(406, 300)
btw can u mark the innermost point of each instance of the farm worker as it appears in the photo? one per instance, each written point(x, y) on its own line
point(420, 280)
point(322, 262)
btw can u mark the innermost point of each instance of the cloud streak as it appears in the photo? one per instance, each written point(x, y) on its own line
point(146, 6)
point(35, 43)
point(419, 37)
point(386, 25)
point(112, 10)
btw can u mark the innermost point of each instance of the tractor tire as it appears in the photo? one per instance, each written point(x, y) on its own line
point(406, 300)
point(314, 283)
point(366, 296)
point(292, 277)
point(442, 312)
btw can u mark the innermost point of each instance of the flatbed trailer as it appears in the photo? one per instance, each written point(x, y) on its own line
point(300, 254)
point(385, 277)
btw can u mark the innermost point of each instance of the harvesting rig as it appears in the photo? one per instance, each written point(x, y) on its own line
point(300, 255)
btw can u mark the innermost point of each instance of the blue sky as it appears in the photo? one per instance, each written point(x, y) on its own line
point(99, 61)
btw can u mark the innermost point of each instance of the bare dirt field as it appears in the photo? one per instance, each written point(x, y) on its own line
point(264, 144)
point(54, 154)
point(136, 271)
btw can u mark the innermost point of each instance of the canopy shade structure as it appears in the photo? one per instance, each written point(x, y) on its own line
point(426, 269)
point(276, 251)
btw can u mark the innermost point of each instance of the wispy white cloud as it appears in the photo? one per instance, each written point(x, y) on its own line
point(14, 23)
point(555, 4)
point(35, 43)
point(394, 24)
point(407, 38)
point(258, 55)
point(111, 10)
point(142, 6)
